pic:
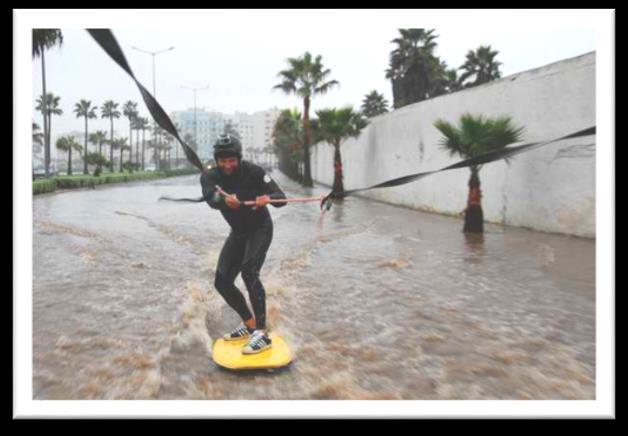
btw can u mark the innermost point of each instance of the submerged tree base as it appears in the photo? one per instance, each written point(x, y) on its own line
point(473, 220)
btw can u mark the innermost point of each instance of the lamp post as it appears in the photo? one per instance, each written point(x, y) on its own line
point(194, 91)
point(153, 54)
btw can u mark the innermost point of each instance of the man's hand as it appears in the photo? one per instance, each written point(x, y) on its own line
point(232, 201)
point(261, 201)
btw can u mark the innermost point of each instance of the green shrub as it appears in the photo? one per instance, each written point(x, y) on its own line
point(43, 186)
point(83, 181)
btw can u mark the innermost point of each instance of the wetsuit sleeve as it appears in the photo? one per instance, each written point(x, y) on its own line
point(270, 188)
point(210, 194)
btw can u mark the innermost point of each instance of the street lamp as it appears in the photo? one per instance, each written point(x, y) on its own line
point(194, 91)
point(153, 53)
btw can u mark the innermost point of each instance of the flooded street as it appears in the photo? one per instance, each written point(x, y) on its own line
point(377, 302)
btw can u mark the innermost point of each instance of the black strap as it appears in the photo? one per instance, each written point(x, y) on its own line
point(477, 160)
point(108, 42)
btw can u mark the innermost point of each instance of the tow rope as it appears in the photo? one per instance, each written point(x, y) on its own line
point(108, 43)
point(106, 40)
point(286, 200)
point(476, 160)
point(248, 202)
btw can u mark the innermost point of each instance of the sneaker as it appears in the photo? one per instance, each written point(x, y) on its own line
point(241, 332)
point(259, 342)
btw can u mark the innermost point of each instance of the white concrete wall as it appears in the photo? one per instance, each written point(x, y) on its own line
point(551, 188)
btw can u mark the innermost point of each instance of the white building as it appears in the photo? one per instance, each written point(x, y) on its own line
point(263, 126)
point(550, 189)
point(243, 124)
point(206, 130)
point(255, 130)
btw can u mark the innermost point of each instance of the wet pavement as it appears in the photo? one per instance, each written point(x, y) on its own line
point(376, 301)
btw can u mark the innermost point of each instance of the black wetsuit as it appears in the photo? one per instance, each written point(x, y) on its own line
point(251, 234)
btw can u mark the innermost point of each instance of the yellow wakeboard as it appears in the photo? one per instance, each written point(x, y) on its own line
point(228, 354)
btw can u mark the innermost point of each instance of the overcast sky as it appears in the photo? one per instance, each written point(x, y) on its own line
point(239, 53)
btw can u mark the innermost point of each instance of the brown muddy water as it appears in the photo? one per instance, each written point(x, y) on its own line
point(377, 302)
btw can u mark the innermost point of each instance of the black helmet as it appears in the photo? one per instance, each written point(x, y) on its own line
point(227, 146)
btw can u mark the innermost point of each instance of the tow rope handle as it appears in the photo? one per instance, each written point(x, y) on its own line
point(287, 200)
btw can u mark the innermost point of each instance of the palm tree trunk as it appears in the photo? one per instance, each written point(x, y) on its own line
point(338, 184)
point(45, 108)
point(137, 147)
point(70, 161)
point(130, 140)
point(307, 176)
point(100, 155)
point(85, 151)
point(121, 154)
point(111, 145)
point(48, 135)
point(474, 217)
point(396, 93)
point(143, 149)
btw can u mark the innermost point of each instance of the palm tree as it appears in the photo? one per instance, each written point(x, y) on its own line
point(120, 144)
point(125, 147)
point(188, 138)
point(334, 126)
point(98, 138)
point(306, 78)
point(109, 109)
point(129, 110)
point(177, 126)
point(48, 107)
point(480, 65)
point(452, 81)
point(136, 126)
point(414, 69)
point(143, 125)
point(38, 138)
point(84, 109)
point(97, 159)
point(67, 144)
point(173, 146)
point(475, 136)
point(152, 143)
point(38, 142)
point(374, 104)
point(156, 139)
point(288, 142)
point(168, 139)
point(44, 39)
point(162, 146)
point(439, 79)
point(168, 148)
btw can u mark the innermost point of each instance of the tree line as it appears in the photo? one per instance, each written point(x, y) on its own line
point(416, 74)
point(161, 142)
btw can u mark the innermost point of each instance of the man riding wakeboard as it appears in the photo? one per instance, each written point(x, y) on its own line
point(225, 188)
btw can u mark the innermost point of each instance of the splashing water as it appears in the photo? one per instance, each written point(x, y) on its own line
point(380, 302)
